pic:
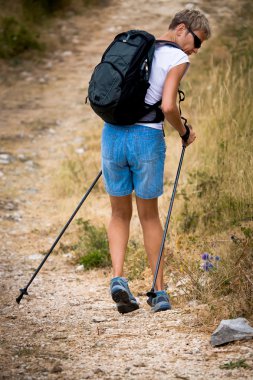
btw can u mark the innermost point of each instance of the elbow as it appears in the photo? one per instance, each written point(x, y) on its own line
point(168, 108)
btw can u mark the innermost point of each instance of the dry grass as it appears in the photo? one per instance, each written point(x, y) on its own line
point(220, 185)
point(222, 289)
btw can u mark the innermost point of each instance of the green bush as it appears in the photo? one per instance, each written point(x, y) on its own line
point(15, 38)
point(37, 10)
point(92, 247)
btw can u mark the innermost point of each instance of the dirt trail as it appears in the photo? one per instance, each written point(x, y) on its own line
point(68, 327)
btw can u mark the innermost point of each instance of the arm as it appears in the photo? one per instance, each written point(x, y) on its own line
point(169, 101)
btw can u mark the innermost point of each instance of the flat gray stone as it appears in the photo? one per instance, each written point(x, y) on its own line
point(5, 158)
point(230, 330)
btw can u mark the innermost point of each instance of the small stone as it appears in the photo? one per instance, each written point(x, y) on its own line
point(57, 368)
point(22, 157)
point(80, 151)
point(87, 375)
point(140, 365)
point(79, 268)
point(42, 80)
point(24, 74)
point(49, 65)
point(74, 303)
point(99, 319)
point(98, 371)
point(5, 158)
point(31, 190)
point(75, 41)
point(68, 255)
point(67, 53)
point(29, 79)
point(36, 256)
point(10, 206)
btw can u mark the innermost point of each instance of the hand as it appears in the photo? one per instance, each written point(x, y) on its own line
point(191, 138)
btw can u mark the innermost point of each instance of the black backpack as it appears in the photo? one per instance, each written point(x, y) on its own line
point(119, 83)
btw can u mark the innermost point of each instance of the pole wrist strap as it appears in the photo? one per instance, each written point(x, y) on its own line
point(187, 134)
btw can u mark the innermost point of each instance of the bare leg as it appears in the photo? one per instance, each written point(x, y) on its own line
point(152, 234)
point(118, 231)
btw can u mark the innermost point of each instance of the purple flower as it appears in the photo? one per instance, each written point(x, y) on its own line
point(217, 258)
point(205, 256)
point(207, 266)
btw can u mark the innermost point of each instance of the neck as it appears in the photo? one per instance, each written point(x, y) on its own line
point(168, 36)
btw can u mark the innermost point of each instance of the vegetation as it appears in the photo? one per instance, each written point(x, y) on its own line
point(92, 247)
point(15, 38)
point(241, 363)
point(216, 273)
point(22, 20)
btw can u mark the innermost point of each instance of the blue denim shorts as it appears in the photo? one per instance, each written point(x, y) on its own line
point(133, 159)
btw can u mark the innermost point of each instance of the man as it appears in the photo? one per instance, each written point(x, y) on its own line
point(133, 157)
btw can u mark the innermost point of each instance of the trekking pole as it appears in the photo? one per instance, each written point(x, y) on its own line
point(24, 290)
point(152, 293)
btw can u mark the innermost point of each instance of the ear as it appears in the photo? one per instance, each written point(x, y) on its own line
point(180, 29)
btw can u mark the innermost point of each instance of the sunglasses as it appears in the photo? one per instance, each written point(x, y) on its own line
point(197, 40)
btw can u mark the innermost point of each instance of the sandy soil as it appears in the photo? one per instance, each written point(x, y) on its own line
point(68, 327)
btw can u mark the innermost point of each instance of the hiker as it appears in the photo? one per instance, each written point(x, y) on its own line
point(133, 157)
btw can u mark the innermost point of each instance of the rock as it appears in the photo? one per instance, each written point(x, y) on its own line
point(22, 157)
point(36, 256)
point(49, 65)
point(80, 151)
point(67, 53)
point(75, 41)
point(31, 190)
point(57, 368)
point(17, 217)
point(99, 371)
point(74, 303)
point(87, 375)
point(5, 158)
point(42, 80)
point(79, 268)
point(230, 330)
point(68, 255)
point(99, 319)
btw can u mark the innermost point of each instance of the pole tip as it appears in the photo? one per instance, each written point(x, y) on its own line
point(22, 293)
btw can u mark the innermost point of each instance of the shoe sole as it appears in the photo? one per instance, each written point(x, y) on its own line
point(124, 304)
point(161, 308)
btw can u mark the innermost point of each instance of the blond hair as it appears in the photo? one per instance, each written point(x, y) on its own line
point(193, 19)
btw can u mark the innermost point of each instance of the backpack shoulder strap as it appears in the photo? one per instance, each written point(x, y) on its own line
point(170, 43)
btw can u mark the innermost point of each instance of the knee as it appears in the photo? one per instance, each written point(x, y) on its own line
point(122, 214)
point(149, 217)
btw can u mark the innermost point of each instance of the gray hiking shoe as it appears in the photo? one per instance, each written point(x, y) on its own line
point(121, 294)
point(159, 303)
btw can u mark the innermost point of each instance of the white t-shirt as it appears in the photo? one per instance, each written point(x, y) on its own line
point(165, 57)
